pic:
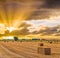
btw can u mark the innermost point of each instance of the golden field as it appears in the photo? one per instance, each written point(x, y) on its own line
point(27, 50)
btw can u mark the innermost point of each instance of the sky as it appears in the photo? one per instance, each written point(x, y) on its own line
point(29, 15)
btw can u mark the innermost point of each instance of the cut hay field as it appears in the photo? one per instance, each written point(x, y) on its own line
point(27, 50)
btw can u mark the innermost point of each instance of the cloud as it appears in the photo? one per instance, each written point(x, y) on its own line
point(30, 9)
point(42, 30)
point(24, 24)
point(46, 22)
point(48, 31)
point(23, 31)
point(44, 27)
point(52, 4)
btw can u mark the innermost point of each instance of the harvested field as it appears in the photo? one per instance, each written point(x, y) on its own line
point(27, 50)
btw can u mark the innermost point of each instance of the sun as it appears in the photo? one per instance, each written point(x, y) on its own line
point(10, 29)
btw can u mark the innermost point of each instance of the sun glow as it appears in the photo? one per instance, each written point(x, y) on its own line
point(2, 28)
point(10, 29)
point(8, 37)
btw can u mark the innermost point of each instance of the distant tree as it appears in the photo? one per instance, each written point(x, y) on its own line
point(50, 42)
point(41, 44)
point(35, 39)
point(15, 38)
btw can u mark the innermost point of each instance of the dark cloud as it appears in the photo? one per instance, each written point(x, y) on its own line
point(36, 9)
point(52, 4)
point(45, 9)
point(2, 0)
point(40, 14)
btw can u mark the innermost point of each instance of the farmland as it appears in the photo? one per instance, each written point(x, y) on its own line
point(27, 50)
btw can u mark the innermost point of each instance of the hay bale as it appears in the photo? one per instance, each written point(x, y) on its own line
point(45, 51)
point(40, 50)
